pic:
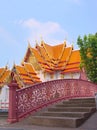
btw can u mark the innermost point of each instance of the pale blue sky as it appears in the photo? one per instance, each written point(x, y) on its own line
point(55, 20)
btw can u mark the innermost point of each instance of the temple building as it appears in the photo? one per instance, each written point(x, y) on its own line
point(40, 64)
point(54, 62)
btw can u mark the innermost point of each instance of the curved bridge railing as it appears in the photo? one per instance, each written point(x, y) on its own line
point(30, 99)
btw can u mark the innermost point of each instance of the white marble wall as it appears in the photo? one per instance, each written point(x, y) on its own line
point(75, 75)
point(4, 97)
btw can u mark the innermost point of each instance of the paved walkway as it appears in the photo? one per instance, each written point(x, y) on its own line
point(90, 124)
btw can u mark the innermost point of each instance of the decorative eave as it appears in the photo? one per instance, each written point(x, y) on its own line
point(51, 51)
point(2, 71)
point(4, 76)
point(47, 58)
point(38, 57)
point(51, 61)
point(43, 53)
point(16, 77)
point(58, 51)
point(73, 70)
point(49, 71)
point(73, 63)
point(65, 57)
point(31, 72)
point(48, 49)
point(44, 59)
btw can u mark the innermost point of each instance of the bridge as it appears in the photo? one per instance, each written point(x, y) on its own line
point(28, 100)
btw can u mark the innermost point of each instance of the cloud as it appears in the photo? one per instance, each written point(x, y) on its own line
point(50, 31)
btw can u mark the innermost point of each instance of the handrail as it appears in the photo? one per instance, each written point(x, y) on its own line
point(35, 97)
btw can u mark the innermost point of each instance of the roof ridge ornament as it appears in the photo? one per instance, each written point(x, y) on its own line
point(36, 43)
point(42, 41)
point(6, 66)
point(72, 45)
point(14, 67)
point(29, 45)
point(64, 43)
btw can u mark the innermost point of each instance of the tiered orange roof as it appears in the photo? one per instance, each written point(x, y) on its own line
point(54, 52)
point(44, 58)
point(55, 58)
point(64, 58)
point(31, 72)
point(73, 64)
point(25, 75)
point(4, 75)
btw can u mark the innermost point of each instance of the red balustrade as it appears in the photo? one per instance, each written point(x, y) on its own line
point(24, 101)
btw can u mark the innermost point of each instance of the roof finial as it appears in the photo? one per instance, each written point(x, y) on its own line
point(72, 44)
point(42, 42)
point(6, 66)
point(64, 43)
point(66, 38)
point(13, 63)
point(41, 37)
point(36, 43)
point(13, 68)
point(29, 44)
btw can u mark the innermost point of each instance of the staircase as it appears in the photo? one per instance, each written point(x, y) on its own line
point(3, 114)
point(3, 117)
point(69, 113)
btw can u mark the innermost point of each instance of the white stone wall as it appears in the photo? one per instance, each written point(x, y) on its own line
point(57, 75)
point(46, 77)
point(75, 75)
point(4, 97)
point(40, 74)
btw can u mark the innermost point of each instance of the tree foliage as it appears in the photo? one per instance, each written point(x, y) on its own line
point(88, 52)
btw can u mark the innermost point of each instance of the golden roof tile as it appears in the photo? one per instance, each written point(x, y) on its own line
point(23, 76)
point(49, 50)
point(31, 72)
point(51, 58)
point(43, 53)
point(37, 55)
point(54, 52)
point(74, 62)
point(58, 51)
point(4, 76)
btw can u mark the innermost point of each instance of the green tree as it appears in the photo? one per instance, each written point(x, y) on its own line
point(88, 52)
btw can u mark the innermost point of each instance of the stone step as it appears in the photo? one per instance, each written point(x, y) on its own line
point(3, 114)
point(76, 105)
point(65, 114)
point(72, 109)
point(3, 118)
point(82, 99)
point(57, 121)
point(89, 100)
point(69, 113)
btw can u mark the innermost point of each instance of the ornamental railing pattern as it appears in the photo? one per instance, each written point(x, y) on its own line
point(27, 100)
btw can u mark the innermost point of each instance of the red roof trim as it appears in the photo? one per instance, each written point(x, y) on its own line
point(75, 70)
point(72, 68)
point(73, 63)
